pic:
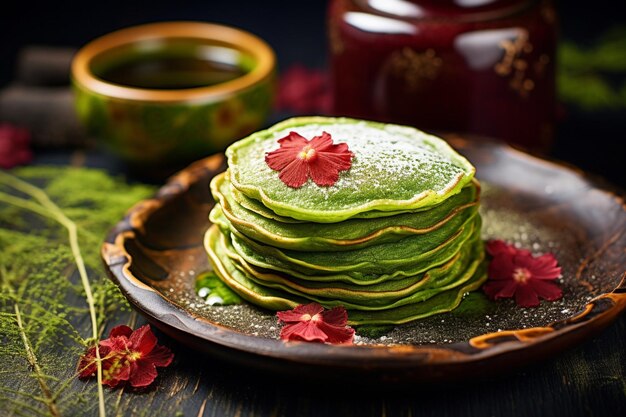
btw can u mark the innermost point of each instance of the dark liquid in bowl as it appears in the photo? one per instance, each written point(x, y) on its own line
point(171, 73)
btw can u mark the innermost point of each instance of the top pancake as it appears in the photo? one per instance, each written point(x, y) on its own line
point(394, 168)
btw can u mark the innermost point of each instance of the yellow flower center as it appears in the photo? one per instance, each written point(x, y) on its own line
point(521, 275)
point(307, 153)
point(308, 317)
point(133, 356)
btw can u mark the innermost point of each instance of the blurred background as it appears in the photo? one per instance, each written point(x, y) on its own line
point(591, 74)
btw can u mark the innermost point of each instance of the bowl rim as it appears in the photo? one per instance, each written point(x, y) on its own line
point(227, 36)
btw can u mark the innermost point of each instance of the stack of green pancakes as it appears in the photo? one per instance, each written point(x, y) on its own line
point(395, 239)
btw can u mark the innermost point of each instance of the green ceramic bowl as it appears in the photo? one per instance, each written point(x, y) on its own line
point(171, 92)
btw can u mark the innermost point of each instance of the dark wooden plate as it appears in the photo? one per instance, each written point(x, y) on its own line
point(155, 253)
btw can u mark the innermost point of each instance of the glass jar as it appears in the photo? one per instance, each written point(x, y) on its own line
point(476, 66)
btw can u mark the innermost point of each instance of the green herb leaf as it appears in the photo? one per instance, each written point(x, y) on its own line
point(214, 291)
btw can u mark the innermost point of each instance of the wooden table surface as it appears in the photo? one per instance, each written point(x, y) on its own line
point(588, 380)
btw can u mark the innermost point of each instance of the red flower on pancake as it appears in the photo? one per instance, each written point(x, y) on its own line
point(297, 159)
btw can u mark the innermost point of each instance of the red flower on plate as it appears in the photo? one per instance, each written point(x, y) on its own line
point(14, 146)
point(297, 159)
point(127, 355)
point(311, 323)
point(517, 273)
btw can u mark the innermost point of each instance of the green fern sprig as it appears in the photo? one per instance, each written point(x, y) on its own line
point(42, 278)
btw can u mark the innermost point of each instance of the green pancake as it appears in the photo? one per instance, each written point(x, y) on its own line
point(377, 259)
point(441, 303)
point(258, 208)
point(423, 305)
point(441, 277)
point(394, 168)
point(353, 278)
point(371, 302)
point(395, 239)
point(444, 253)
point(347, 235)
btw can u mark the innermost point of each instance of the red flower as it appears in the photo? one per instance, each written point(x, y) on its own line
point(127, 355)
point(310, 323)
point(515, 272)
point(297, 159)
point(304, 91)
point(14, 146)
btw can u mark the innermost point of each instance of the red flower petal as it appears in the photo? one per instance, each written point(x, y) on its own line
point(295, 174)
point(498, 289)
point(525, 296)
point(337, 335)
point(323, 172)
point(296, 315)
point(115, 368)
point(337, 316)
point(546, 267)
point(87, 364)
point(304, 331)
point(142, 373)
point(311, 309)
point(279, 159)
point(297, 159)
point(127, 356)
point(500, 247)
point(292, 141)
point(501, 267)
point(322, 142)
point(310, 323)
point(283, 156)
point(143, 340)
point(121, 330)
point(497, 247)
point(546, 290)
point(116, 344)
point(517, 273)
point(160, 356)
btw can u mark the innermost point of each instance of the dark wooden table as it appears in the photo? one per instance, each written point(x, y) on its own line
point(586, 381)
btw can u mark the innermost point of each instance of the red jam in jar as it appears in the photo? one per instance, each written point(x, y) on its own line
point(475, 66)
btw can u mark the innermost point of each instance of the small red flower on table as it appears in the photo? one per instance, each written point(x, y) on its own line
point(297, 159)
point(127, 355)
point(310, 323)
point(517, 273)
point(14, 146)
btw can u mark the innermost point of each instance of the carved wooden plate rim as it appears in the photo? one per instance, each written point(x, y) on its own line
point(486, 352)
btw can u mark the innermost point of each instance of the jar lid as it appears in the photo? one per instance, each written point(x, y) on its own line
point(475, 10)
